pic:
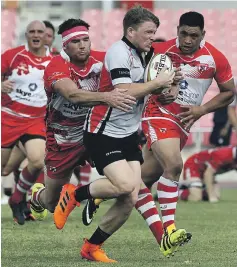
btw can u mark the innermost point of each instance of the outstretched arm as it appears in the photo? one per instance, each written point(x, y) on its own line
point(116, 98)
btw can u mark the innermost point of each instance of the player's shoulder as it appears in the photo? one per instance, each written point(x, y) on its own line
point(57, 62)
point(215, 52)
point(15, 50)
point(163, 46)
point(98, 55)
point(118, 48)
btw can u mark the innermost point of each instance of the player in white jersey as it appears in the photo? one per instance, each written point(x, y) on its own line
point(111, 135)
point(167, 126)
point(71, 83)
point(23, 109)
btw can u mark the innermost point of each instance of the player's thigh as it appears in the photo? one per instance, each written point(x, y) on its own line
point(167, 152)
point(151, 168)
point(35, 150)
point(121, 175)
point(195, 194)
point(5, 155)
point(15, 160)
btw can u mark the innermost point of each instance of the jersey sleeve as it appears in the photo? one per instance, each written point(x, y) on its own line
point(56, 70)
point(118, 65)
point(223, 69)
point(6, 58)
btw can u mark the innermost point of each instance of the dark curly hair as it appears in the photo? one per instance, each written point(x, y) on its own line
point(71, 23)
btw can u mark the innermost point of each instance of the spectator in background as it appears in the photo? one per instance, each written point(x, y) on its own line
point(224, 120)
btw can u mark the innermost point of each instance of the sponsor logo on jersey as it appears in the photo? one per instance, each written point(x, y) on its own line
point(183, 84)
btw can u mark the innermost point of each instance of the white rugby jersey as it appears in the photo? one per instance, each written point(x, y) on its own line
point(65, 120)
point(123, 64)
point(26, 70)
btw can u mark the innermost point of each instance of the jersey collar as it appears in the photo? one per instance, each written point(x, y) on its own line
point(144, 57)
point(46, 47)
point(64, 55)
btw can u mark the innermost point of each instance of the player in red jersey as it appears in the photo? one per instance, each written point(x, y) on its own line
point(200, 170)
point(18, 153)
point(167, 126)
point(71, 81)
point(23, 109)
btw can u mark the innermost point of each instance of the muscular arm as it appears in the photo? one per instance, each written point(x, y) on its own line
point(139, 90)
point(224, 98)
point(68, 89)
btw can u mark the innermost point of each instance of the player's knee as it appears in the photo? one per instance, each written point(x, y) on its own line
point(37, 164)
point(126, 188)
point(174, 169)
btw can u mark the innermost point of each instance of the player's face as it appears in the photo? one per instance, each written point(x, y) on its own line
point(79, 49)
point(143, 36)
point(190, 39)
point(35, 35)
point(49, 37)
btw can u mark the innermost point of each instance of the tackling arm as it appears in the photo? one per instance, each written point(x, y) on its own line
point(116, 98)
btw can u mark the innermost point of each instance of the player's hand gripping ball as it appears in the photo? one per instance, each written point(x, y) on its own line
point(156, 64)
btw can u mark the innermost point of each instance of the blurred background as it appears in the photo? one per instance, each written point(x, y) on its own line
point(105, 18)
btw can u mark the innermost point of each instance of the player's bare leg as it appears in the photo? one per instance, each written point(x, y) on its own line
point(117, 215)
point(35, 149)
point(172, 163)
point(14, 161)
point(167, 191)
point(151, 170)
point(5, 155)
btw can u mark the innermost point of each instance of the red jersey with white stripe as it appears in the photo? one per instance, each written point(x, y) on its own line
point(199, 70)
point(223, 158)
point(26, 70)
point(64, 119)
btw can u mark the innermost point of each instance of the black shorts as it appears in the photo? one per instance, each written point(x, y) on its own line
point(105, 150)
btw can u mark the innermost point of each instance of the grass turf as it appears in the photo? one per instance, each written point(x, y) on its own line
point(40, 244)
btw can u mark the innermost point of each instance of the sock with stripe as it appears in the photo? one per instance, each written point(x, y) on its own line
point(147, 208)
point(25, 181)
point(167, 191)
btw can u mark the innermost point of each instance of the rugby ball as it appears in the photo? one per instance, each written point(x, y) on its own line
point(155, 65)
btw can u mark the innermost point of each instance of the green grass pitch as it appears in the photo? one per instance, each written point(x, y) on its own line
point(40, 244)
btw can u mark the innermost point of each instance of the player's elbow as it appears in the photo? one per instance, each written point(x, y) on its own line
point(73, 99)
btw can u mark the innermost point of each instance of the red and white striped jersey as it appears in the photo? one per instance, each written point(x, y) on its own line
point(122, 65)
point(28, 98)
point(65, 120)
point(199, 70)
